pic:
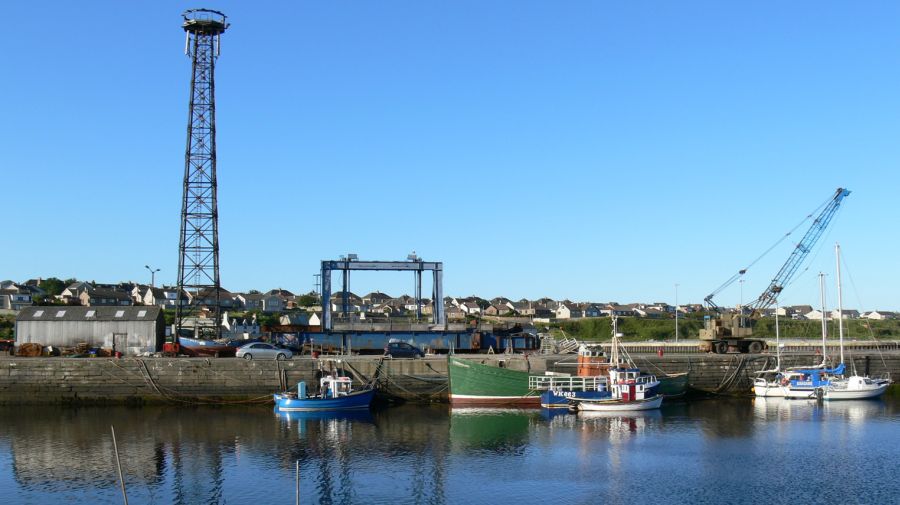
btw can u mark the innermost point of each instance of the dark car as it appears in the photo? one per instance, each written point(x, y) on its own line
point(402, 350)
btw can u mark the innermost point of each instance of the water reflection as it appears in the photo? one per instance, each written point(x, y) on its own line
point(857, 411)
point(330, 423)
point(436, 455)
point(781, 409)
point(719, 418)
point(501, 430)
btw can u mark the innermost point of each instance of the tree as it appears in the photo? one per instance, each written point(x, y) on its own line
point(253, 292)
point(307, 300)
point(52, 286)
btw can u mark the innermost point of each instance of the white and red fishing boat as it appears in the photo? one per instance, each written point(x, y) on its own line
point(630, 389)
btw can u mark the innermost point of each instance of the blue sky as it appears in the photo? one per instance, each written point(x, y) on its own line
point(590, 150)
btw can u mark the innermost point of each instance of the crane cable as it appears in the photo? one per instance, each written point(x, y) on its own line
point(744, 270)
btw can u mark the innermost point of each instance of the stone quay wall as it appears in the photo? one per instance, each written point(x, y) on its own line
point(237, 381)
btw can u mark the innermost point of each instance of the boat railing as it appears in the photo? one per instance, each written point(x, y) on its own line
point(568, 383)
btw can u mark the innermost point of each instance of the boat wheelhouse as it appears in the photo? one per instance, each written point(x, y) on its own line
point(336, 393)
point(557, 390)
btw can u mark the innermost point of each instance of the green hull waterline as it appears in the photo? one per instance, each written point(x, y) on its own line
point(470, 378)
point(673, 385)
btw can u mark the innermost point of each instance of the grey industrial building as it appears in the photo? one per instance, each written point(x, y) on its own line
point(129, 330)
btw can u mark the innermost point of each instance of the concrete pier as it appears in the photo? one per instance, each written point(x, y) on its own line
point(237, 381)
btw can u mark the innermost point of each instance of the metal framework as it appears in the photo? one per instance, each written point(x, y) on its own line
point(794, 261)
point(417, 266)
point(198, 261)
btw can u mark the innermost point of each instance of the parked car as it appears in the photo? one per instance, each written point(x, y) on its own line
point(402, 350)
point(262, 350)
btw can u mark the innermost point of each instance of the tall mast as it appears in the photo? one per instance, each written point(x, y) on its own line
point(837, 256)
point(824, 323)
point(777, 341)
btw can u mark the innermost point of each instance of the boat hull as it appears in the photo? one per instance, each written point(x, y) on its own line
point(859, 394)
point(563, 399)
point(356, 400)
point(198, 347)
point(620, 406)
point(799, 394)
point(673, 385)
point(765, 389)
point(475, 384)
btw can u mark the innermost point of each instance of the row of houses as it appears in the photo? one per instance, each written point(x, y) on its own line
point(15, 296)
point(565, 309)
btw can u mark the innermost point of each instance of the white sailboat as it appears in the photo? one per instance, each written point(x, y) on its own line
point(855, 387)
point(808, 383)
point(771, 383)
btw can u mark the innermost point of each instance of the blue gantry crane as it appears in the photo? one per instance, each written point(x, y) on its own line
point(722, 335)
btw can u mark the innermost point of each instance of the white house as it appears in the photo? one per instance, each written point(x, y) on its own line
point(846, 314)
point(563, 311)
point(15, 299)
point(166, 297)
point(816, 315)
point(470, 308)
point(880, 315)
point(240, 328)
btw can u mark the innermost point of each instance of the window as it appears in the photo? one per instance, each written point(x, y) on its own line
point(142, 313)
point(90, 313)
point(60, 313)
point(120, 313)
point(38, 313)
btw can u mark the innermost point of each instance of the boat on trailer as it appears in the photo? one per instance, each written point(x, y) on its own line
point(336, 393)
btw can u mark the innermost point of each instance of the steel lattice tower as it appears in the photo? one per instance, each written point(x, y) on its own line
point(198, 261)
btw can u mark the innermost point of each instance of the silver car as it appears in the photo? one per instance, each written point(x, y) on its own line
point(262, 350)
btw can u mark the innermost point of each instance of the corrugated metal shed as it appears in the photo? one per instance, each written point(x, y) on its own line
point(130, 330)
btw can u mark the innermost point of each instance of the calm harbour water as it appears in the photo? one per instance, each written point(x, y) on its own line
point(711, 451)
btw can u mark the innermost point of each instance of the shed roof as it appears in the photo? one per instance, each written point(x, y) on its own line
point(77, 313)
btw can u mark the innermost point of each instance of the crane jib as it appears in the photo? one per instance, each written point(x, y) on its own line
point(794, 261)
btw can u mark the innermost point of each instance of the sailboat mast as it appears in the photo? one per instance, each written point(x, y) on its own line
point(777, 341)
point(824, 323)
point(837, 255)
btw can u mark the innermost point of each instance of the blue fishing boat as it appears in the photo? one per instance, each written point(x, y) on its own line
point(336, 393)
point(558, 390)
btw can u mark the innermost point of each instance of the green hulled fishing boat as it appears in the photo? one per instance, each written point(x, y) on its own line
point(673, 385)
point(476, 384)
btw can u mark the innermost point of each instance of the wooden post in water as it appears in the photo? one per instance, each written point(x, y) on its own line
point(297, 482)
point(119, 465)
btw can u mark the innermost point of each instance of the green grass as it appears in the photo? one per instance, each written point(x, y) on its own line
point(639, 329)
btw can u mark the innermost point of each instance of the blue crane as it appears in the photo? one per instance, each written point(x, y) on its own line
point(790, 267)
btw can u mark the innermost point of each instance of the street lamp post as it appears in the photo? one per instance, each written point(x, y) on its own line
point(152, 275)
